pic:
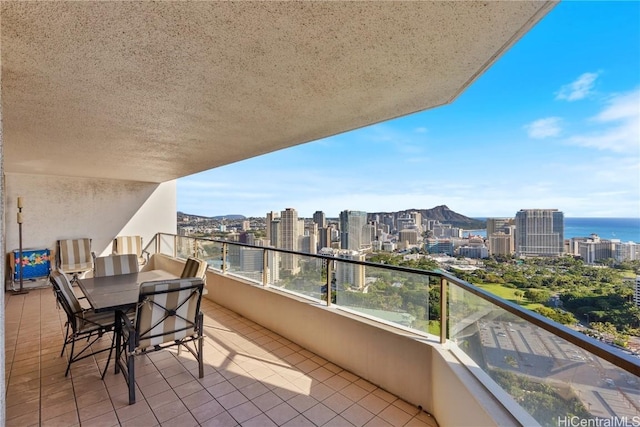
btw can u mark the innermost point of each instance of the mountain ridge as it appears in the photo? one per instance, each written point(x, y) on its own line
point(443, 214)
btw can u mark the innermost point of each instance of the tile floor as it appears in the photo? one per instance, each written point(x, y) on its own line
point(253, 377)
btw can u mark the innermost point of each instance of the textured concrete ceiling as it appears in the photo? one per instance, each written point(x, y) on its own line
point(153, 91)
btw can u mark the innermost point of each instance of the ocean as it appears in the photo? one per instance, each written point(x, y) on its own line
point(624, 229)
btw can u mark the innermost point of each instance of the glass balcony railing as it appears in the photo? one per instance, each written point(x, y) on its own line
point(555, 374)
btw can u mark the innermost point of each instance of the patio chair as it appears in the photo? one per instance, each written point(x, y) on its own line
point(112, 265)
point(74, 257)
point(82, 324)
point(195, 267)
point(129, 245)
point(168, 314)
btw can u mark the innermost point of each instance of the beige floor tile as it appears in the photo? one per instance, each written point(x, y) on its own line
point(221, 389)
point(161, 399)
point(282, 413)
point(394, 415)
point(129, 412)
point(261, 378)
point(144, 420)
point(207, 411)
point(302, 402)
point(337, 402)
point(338, 421)
point(354, 392)
point(197, 399)
point(66, 419)
point(267, 401)
point(59, 408)
point(96, 409)
point(337, 382)
point(260, 421)
point(299, 421)
point(232, 400)
point(170, 410)
point(244, 412)
point(357, 415)
point(373, 403)
point(319, 414)
point(110, 419)
point(415, 422)
point(378, 422)
point(18, 411)
point(223, 419)
point(183, 420)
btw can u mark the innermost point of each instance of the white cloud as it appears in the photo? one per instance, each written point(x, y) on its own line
point(621, 121)
point(578, 89)
point(420, 130)
point(544, 128)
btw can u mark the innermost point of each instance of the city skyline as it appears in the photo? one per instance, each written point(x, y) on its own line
point(553, 124)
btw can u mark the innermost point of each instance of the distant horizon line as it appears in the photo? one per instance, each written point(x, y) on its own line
point(472, 217)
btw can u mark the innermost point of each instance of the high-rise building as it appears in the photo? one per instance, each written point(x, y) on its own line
point(539, 232)
point(324, 240)
point(501, 243)
point(495, 225)
point(271, 216)
point(408, 236)
point(309, 242)
point(636, 293)
point(476, 252)
point(593, 249)
point(320, 219)
point(629, 251)
point(351, 275)
point(248, 238)
point(290, 239)
point(351, 230)
point(439, 246)
point(417, 219)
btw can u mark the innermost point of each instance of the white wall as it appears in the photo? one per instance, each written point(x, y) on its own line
point(58, 207)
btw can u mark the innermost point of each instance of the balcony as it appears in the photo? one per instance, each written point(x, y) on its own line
point(508, 365)
point(105, 105)
point(282, 352)
point(253, 377)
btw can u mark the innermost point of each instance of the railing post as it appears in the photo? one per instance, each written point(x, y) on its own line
point(158, 236)
point(265, 267)
point(224, 258)
point(175, 246)
point(329, 281)
point(443, 310)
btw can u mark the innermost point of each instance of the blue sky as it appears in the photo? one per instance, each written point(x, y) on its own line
point(554, 123)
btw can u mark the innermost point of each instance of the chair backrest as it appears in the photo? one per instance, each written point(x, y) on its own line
point(66, 297)
point(113, 265)
point(167, 311)
point(195, 267)
point(74, 255)
point(127, 245)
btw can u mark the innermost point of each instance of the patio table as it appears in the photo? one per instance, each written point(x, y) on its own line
point(118, 293)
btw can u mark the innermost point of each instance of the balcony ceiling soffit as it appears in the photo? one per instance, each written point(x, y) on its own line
point(153, 91)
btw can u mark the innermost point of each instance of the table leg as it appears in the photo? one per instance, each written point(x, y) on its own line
point(118, 338)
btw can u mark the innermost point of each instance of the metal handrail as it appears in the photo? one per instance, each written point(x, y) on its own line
point(610, 354)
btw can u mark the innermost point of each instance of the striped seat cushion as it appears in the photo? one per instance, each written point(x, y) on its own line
point(75, 255)
point(113, 265)
point(129, 245)
point(167, 311)
point(194, 267)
